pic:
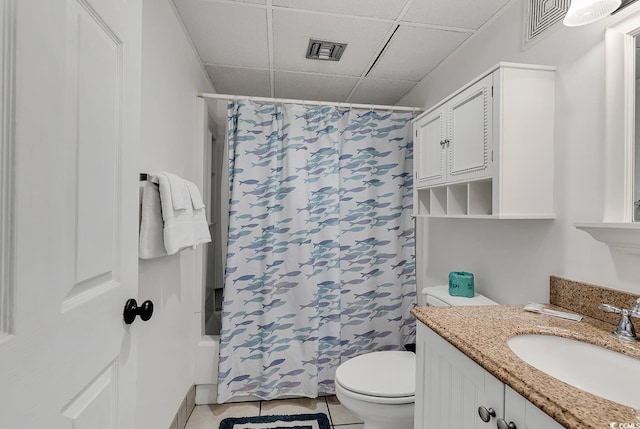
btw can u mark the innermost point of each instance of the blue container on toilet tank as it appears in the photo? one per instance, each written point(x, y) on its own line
point(461, 284)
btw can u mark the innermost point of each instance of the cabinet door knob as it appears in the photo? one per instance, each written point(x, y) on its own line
point(486, 414)
point(502, 424)
point(442, 143)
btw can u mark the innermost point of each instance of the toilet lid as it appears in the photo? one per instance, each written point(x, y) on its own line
point(389, 374)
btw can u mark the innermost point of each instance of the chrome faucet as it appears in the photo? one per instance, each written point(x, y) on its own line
point(625, 330)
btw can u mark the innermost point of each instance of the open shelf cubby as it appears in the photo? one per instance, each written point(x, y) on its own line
point(467, 199)
point(423, 206)
point(438, 200)
point(457, 201)
point(481, 197)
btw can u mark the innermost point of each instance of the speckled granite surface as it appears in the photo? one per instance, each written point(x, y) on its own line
point(583, 298)
point(571, 407)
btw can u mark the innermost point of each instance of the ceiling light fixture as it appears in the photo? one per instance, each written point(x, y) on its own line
point(583, 12)
point(323, 50)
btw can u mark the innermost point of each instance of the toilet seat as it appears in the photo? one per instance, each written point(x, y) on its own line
point(380, 400)
point(386, 377)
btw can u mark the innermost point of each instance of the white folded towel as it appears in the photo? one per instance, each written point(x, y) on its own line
point(196, 198)
point(183, 228)
point(179, 192)
point(151, 243)
point(200, 224)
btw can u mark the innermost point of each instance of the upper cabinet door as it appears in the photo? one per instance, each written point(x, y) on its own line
point(430, 141)
point(470, 132)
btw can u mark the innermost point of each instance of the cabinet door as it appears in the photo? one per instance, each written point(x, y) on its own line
point(470, 133)
point(524, 414)
point(451, 386)
point(430, 134)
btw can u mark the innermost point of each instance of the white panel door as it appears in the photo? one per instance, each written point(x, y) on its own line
point(470, 133)
point(430, 137)
point(67, 360)
point(450, 387)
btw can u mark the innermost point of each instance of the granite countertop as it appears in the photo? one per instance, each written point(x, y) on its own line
point(483, 337)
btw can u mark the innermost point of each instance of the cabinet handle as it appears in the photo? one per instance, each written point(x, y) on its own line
point(486, 414)
point(502, 424)
point(442, 143)
point(447, 141)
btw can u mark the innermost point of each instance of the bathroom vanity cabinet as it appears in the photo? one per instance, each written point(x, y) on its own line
point(487, 149)
point(451, 388)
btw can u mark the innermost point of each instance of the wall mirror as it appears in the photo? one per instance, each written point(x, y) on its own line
point(620, 45)
point(618, 228)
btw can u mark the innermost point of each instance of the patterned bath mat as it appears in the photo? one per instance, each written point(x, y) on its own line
point(297, 421)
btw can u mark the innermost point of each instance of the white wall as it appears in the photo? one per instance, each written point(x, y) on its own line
point(513, 259)
point(171, 78)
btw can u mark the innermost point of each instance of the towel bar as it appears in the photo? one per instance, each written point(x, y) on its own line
point(148, 177)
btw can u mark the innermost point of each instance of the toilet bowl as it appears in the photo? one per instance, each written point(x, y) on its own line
point(379, 388)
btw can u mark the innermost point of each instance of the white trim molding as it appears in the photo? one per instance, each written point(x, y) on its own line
point(623, 237)
point(7, 162)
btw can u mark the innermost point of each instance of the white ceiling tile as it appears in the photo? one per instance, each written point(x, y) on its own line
point(389, 9)
point(240, 81)
point(226, 33)
point(413, 52)
point(381, 91)
point(292, 31)
point(453, 13)
point(252, 1)
point(308, 86)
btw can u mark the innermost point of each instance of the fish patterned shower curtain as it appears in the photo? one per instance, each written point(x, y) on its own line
point(321, 263)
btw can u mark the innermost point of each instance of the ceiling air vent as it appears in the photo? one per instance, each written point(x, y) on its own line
point(541, 18)
point(323, 50)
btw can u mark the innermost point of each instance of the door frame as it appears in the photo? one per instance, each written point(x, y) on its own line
point(7, 167)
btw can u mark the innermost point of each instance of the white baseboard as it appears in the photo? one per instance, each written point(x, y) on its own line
point(206, 394)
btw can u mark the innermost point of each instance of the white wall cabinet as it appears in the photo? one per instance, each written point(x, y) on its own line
point(454, 140)
point(451, 388)
point(487, 150)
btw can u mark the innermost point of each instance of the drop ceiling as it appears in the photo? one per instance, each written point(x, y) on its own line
point(258, 47)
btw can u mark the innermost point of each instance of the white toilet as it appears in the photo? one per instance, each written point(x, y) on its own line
point(379, 387)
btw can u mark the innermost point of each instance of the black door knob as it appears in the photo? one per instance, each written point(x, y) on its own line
point(131, 310)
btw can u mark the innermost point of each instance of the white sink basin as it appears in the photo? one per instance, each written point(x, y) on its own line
point(594, 369)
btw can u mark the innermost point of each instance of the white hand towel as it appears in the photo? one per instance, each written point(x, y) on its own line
point(200, 225)
point(196, 198)
point(151, 226)
point(201, 232)
point(182, 228)
point(179, 192)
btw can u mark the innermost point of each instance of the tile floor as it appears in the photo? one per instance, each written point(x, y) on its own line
point(210, 416)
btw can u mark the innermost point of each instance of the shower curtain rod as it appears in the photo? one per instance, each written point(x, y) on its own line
point(310, 103)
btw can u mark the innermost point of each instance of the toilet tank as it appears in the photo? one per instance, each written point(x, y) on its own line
point(438, 296)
